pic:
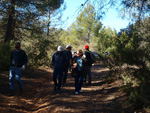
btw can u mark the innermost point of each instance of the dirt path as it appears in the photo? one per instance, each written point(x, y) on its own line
point(38, 95)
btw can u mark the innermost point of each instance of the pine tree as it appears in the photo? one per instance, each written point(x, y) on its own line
point(84, 29)
point(18, 15)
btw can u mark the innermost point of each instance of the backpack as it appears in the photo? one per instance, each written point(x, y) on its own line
point(93, 59)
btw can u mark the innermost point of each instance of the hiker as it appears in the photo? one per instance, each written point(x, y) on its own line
point(59, 59)
point(88, 64)
point(18, 62)
point(78, 70)
point(67, 65)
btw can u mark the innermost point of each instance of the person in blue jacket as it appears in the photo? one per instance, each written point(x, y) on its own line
point(59, 59)
point(18, 62)
point(78, 71)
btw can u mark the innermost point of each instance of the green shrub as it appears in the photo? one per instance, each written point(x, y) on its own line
point(5, 52)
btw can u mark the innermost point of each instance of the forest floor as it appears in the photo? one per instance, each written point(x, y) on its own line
point(38, 95)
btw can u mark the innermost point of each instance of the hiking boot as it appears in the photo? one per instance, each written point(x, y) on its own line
point(11, 93)
point(64, 83)
point(89, 84)
point(58, 91)
point(80, 91)
point(55, 89)
point(84, 80)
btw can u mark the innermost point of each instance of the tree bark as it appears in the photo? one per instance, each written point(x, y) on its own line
point(11, 23)
point(48, 24)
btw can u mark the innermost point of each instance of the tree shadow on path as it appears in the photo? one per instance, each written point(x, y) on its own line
point(39, 96)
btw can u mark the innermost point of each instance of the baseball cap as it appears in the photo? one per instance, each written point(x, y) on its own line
point(86, 47)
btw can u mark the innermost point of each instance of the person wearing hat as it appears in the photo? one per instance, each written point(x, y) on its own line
point(78, 70)
point(69, 60)
point(18, 62)
point(88, 64)
point(58, 59)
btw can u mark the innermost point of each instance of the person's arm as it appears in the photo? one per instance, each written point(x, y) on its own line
point(66, 58)
point(85, 56)
point(53, 59)
point(24, 60)
point(74, 59)
point(11, 58)
point(71, 56)
point(71, 60)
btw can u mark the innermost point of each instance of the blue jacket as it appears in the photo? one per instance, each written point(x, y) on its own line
point(18, 58)
point(59, 60)
point(79, 62)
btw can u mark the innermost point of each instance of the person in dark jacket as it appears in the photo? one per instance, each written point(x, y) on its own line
point(69, 60)
point(59, 59)
point(18, 62)
point(78, 71)
point(88, 64)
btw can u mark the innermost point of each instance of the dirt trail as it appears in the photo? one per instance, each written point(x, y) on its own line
point(38, 95)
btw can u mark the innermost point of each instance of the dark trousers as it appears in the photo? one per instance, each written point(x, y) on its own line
point(78, 81)
point(67, 67)
point(88, 71)
point(58, 73)
point(65, 76)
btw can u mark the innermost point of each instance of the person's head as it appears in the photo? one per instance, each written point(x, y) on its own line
point(59, 49)
point(68, 47)
point(79, 53)
point(17, 45)
point(86, 47)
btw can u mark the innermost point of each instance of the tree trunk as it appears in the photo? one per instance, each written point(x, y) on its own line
point(49, 19)
point(11, 23)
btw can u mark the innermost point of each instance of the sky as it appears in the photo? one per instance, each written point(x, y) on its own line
point(111, 18)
